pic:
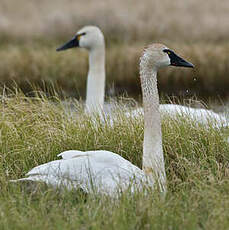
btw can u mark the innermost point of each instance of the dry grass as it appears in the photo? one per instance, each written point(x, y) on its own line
point(121, 20)
point(198, 31)
point(33, 64)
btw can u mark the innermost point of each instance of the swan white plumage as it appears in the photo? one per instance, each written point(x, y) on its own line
point(107, 172)
point(201, 116)
point(91, 38)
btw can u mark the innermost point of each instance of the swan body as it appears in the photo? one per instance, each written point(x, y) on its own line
point(201, 116)
point(107, 172)
point(90, 171)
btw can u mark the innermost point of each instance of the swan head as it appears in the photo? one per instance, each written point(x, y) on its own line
point(158, 56)
point(89, 37)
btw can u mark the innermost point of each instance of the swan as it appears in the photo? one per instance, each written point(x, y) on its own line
point(92, 38)
point(107, 172)
point(201, 116)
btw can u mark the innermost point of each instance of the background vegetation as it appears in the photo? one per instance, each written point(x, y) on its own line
point(198, 31)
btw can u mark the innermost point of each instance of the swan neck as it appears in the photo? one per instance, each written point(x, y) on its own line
point(153, 158)
point(96, 79)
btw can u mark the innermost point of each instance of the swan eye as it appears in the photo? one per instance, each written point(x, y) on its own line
point(80, 35)
point(167, 51)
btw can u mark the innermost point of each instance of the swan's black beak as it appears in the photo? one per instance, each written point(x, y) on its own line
point(175, 60)
point(74, 42)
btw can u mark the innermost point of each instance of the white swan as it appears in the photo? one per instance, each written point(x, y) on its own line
point(107, 172)
point(201, 116)
point(91, 38)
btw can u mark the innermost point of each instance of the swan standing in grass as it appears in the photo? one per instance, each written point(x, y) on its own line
point(91, 38)
point(107, 172)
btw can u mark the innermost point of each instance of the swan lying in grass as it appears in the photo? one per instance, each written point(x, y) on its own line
point(202, 116)
point(107, 172)
point(91, 38)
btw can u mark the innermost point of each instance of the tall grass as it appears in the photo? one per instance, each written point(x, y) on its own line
point(35, 130)
point(33, 64)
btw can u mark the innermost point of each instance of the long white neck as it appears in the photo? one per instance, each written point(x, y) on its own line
point(153, 158)
point(96, 79)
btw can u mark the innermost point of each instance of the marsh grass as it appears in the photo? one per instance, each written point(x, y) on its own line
point(34, 130)
point(37, 64)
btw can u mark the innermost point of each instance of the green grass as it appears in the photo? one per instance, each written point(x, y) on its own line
point(34, 130)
